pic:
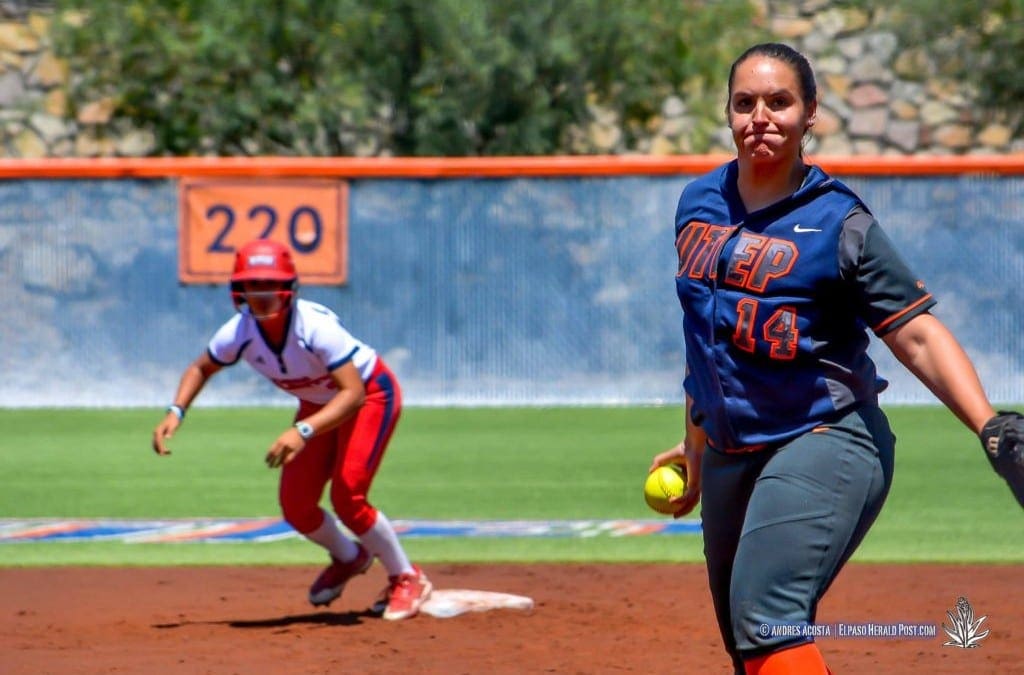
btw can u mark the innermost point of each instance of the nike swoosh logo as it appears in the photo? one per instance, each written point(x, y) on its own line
point(799, 228)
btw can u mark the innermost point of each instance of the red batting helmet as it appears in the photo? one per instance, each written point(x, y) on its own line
point(263, 260)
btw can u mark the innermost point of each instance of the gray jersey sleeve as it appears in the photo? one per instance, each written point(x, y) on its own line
point(885, 290)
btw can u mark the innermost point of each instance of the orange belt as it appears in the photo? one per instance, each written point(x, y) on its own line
point(740, 450)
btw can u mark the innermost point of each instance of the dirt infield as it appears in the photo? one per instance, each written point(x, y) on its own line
point(587, 619)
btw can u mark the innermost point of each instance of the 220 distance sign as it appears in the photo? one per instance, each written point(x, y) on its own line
point(218, 216)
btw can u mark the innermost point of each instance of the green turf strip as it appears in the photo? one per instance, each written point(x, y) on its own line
point(467, 464)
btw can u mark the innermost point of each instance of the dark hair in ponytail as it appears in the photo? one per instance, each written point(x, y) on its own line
point(786, 54)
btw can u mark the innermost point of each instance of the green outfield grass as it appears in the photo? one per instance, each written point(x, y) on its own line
point(559, 463)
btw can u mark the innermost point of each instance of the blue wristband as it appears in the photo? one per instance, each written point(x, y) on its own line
point(178, 411)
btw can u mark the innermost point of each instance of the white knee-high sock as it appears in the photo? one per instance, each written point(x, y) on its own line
point(330, 537)
point(382, 541)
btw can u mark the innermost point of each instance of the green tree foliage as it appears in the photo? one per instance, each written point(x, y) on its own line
point(978, 42)
point(401, 77)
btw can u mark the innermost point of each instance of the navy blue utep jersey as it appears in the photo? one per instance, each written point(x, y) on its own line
point(777, 304)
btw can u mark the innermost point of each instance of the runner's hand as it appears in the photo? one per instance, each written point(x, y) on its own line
point(284, 449)
point(163, 432)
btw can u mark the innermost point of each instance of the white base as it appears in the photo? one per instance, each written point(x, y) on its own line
point(452, 602)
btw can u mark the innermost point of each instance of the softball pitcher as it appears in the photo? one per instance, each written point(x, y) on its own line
point(348, 405)
point(782, 269)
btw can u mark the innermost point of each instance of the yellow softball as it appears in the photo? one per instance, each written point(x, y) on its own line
point(662, 484)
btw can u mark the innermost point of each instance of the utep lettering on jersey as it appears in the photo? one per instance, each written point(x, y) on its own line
point(753, 269)
point(756, 259)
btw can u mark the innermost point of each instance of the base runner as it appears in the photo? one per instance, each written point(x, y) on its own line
point(349, 403)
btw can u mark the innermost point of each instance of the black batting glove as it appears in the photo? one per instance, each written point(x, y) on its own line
point(1002, 437)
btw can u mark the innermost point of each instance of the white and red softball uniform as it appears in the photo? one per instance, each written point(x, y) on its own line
point(316, 343)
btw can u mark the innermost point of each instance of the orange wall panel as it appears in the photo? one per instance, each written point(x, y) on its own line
point(308, 215)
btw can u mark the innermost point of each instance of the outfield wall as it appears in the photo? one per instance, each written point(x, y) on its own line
point(477, 289)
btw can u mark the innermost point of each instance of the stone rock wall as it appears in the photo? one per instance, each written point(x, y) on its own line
point(873, 99)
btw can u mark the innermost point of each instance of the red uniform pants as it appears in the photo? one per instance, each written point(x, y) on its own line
point(348, 456)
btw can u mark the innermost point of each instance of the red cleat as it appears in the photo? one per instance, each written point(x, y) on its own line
point(406, 594)
point(331, 582)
